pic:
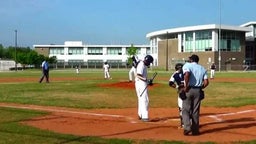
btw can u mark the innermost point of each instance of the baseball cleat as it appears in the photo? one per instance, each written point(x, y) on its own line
point(145, 120)
point(186, 132)
point(181, 127)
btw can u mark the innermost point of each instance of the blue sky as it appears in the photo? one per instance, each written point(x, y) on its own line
point(110, 21)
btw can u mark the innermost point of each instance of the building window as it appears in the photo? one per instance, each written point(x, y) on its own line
point(57, 51)
point(95, 63)
point(189, 36)
point(75, 51)
point(115, 63)
point(95, 51)
point(188, 45)
point(60, 63)
point(75, 62)
point(203, 40)
point(148, 50)
point(114, 51)
point(230, 41)
point(201, 35)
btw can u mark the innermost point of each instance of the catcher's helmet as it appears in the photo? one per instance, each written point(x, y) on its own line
point(148, 59)
point(178, 66)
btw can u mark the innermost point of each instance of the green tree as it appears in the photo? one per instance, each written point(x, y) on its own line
point(52, 60)
point(131, 52)
point(22, 59)
point(32, 58)
point(10, 53)
point(1, 51)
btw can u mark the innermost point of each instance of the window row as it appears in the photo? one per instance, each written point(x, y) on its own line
point(199, 35)
point(200, 46)
point(230, 35)
point(230, 45)
point(206, 45)
point(93, 51)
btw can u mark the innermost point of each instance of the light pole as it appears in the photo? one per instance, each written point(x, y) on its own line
point(167, 51)
point(15, 50)
point(219, 44)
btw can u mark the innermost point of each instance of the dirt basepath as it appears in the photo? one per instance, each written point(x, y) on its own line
point(222, 125)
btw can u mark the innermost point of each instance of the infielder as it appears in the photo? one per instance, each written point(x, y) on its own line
point(141, 82)
point(177, 81)
point(106, 70)
point(77, 69)
point(132, 71)
point(213, 67)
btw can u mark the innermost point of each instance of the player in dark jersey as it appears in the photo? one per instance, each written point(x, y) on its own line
point(177, 81)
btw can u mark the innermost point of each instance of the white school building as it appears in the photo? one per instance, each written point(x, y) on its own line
point(233, 49)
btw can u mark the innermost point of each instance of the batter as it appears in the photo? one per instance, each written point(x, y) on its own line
point(141, 82)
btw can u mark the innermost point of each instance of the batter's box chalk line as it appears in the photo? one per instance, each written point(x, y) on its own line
point(129, 119)
point(218, 119)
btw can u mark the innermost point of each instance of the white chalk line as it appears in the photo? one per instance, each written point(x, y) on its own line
point(130, 119)
point(216, 117)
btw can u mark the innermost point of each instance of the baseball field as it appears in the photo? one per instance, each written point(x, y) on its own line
point(86, 108)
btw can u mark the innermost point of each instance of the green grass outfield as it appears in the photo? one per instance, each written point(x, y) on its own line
point(84, 93)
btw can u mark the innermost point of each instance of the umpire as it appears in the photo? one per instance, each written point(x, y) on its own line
point(196, 79)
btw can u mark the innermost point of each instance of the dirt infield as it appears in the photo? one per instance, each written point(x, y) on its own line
point(221, 125)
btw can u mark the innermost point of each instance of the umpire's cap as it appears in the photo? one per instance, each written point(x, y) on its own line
point(148, 59)
point(194, 58)
point(178, 66)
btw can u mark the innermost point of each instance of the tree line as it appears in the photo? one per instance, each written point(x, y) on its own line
point(24, 55)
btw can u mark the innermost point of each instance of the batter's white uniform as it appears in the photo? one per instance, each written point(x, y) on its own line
point(140, 85)
point(132, 73)
point(106, 71)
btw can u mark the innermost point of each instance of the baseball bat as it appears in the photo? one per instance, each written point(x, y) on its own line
point(154, 75)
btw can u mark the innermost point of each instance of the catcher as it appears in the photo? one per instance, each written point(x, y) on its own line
point(177, 81)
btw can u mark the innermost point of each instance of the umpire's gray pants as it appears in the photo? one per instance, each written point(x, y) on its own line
point(191, 110)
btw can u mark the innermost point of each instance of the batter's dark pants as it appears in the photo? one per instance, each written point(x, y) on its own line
point(191, 110)
point(45, 75)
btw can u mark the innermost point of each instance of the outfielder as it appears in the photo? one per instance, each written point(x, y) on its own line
point(141, 82)
point(177, 81)
point(106, 70)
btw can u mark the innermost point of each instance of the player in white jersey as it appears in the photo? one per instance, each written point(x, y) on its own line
point(141, 82)
point(106, 70)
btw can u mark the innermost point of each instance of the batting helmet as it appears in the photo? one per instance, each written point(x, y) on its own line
point(178, 66)
point(148, 59)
